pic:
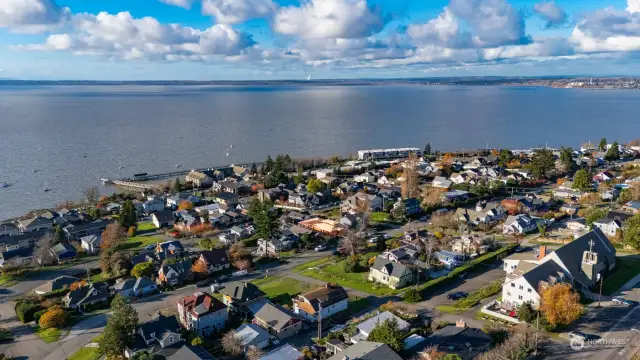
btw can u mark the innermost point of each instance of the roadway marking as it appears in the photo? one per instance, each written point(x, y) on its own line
point(618, 323)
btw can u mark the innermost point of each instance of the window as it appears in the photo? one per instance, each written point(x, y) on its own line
point(508, 293)
point(521, 287)
point(519, 297)
point(513, 285)
point(529, 290)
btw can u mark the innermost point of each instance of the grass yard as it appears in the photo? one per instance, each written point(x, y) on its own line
point(8, 280)
point(357, 305)
point(624, 271)
point(146, 226)
point(379, 216)
point(312, 263)
point(334, 273)
point(49, 335)
point(281, 289)
point(87, 353)
point(450, 309)
point(139, 242)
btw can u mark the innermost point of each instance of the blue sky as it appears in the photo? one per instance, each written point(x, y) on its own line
point(291, 39)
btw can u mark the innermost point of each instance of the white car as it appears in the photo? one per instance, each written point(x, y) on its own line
point(337, 328)
point(240, 273)
point(320, 247)
point(622, 301)
point(216, 287)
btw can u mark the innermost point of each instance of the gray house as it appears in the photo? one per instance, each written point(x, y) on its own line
point(135, 288)
point(394, 275)
point(157, 334)
point(94, 294)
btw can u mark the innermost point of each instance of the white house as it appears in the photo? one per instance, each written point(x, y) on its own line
point(202, 313)
point(91, 244)
point(394, 275)
point(324, 301)
point(163, 219)
point(441, 182)
point(365, 327)
point(613, 222)
point(367, 177)
point(153, 204)
point(519, 224)
point(252, 335)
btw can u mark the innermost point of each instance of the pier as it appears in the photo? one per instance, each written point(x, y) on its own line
point(133, 185)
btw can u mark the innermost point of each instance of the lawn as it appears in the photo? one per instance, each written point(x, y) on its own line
point(146, 226)
point(49, 335)
point(379, 216)
point(357, 305)
point(8, 280)
point(281, 289)
point(335, 273)
point(450, 309)
point(139, 242)
point(312, 263)
point(87, 353)
point(624, 271)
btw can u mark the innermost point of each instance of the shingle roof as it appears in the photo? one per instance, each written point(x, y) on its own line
point(251, 334)
point(188, 352)
point(242, 291)
point(546, 273)
point(215, 257)
point(201, 304)
point(163, 216)
point(286, 352)
point(367, 350)
point(57, 283)
point(459, 337)
point(162, 326)
point(89, 293)
point(392, 268)
point(276, 317)
point(369, 325)
point(327, 295)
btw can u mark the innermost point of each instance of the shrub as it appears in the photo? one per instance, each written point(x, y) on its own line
point(25, 311)
point(482, 293)
point(132, 231)
point(412, 295)
point(371, 261)
point(197, 341)
point(54, 318)
point(38, 315)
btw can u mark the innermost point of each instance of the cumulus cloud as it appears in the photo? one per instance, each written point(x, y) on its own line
point(552, 14)
point(608, 30)
point(490, 23)
point(181, 3)
point(236, 11)
point(31, 15)
point(633, 6)
point(126, 37)
point(330, 19)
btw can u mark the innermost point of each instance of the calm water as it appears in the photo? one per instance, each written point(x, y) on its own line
point(74, 135)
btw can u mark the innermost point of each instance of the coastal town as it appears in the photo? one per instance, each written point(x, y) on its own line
point(387, 254)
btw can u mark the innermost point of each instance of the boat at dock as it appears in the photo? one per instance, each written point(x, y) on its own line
point(4, 185)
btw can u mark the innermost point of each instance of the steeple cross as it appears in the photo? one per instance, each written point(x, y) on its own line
point(591, 243)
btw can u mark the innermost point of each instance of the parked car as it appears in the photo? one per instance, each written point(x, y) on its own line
point(578, 335)
point(202, 283)
point(239, 273)
point(423, 218)
point(457, 295)
point(274, 340)
point(320, 247)
point(215, 287)
point(336, 253)
point(150, 247)
point(222, 278)
point(337, 328)
point(622, 301)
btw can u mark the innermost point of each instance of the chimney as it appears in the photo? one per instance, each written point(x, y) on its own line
point(461, 324)
point(542, 252)
point(327, 286)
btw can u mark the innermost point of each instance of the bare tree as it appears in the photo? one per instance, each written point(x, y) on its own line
point(446, 221)
point(409, 186)
point(253, 353)
point(91, 194)
point(113, 235)
point(231, 344)
point(512, 348)
point(41, 252)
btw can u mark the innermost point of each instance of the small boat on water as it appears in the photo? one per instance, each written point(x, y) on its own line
point(46, 189)
point(4, 185)
point(35, 170)
point(178, 166)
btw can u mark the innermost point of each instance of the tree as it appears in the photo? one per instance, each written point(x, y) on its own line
point(254, 169)
point(142, 269)
point(412, 295)
point(265, 219)
point(120, 262)
point(94, 212)
point(566, 159)
point(112, 236)
point(185, 205)
point(120, 328)
point(595, 215)
point(77, 285)
point(306, 240)
point(315, 185)
point(582, 180)
point(526, 313)
point(542, 163)
point(427, 149)
point(91, 194)
point(210, 244)
point(200, 268)
point(409, 186)
point(631, 236)
point(603, 144)
point(254, 353)
point(59, 235)
point(542, 228)
point(505, 157)
point(590, 199)
point(399, 212)
point(388, 333)
point(613, 153)
point(41, 253)
point(197, 341)
point(231, 344)
point(145, 355)
point(268, 164)
point(128, 215)
point(237, 254)
point(560, 305)
point(516, 347)
point(56, 317)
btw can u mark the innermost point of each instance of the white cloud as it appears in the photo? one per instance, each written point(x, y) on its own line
point(31, 15)
point(237, 11)
point(608, 30)
point(181, 3)
point(329, 19)
point(443, 30)
point(126, 37)
point(551, 13)
point(633, 6)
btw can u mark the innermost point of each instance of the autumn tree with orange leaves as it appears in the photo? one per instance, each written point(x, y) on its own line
point(77, 285)
point(560, 305)
point(200, 268)
point(112, 236)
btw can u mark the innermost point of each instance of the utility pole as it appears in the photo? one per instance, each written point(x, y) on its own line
point(600, 294)
point(535, 350)
point(319, 320)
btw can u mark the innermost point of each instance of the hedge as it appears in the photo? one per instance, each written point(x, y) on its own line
point(453, 275)
point(25, 311)
point(55, 293)
point(482, 293)
point(37, 315)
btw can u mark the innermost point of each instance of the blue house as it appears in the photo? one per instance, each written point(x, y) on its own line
point(63, 252)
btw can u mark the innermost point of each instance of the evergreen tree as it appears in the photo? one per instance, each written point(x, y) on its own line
point(603, 144)
point(613, 153)
point(581, 180)
point(268, 165)
point(265, 218)
point(60, 236)
point(254, 169)
point(631, 236)
point(504, 157)
point(120, 327)
point(299, 178)
point(287, 162)
point(128, 215)
point(427, 149)
point(388, 333)
point(278, 165)
point(399, 212)
point(566, 158)
point(542, 163)
point(177, 186)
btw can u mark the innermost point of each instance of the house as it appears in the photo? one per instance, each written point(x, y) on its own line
point(160, 333)
point(190, 352)
point(91, 243)
point(273, 247)
point(75, 232)
point(153, 204)
point(449, 259)
point(173, 202)
point(365, 327)
point(632, 207)
point(401, 254)
point(493, 209)
point(175, 274)
point(324, 226)
point(360, 200)
point(93, 294)
point(519, 224)
point(368, 177)
point(8, 229)
point(473, 217)
point(366, 350)
point(59, 283)
point(226, 198)
point(16, 257)
point(441, 182)
point(321, 302)
point(163, 219)
point(21, 241)
point(237, 294)
point(412, 235)
point(459, 340)
point(603, 176)
point(63, 251)
point(349, 220)
point(581, 263)
point(394, 275)
point(252, 335)
point(469, 244)
point(233, 187)
point(199, 179)
point(169, 249)
point(135, 288)
point(202, 313)
point(576, 224)
point(613, 222)
point(454, 195)
point(35, 224)
point(277, 321)
point(569, 209)
point(285, 352)
point(215, 260)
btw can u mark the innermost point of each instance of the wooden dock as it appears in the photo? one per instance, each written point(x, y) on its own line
point(136, 186)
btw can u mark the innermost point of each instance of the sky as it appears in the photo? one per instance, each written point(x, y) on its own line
point(323, 39)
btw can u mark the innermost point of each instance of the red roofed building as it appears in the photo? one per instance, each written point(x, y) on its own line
point(202, 313)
